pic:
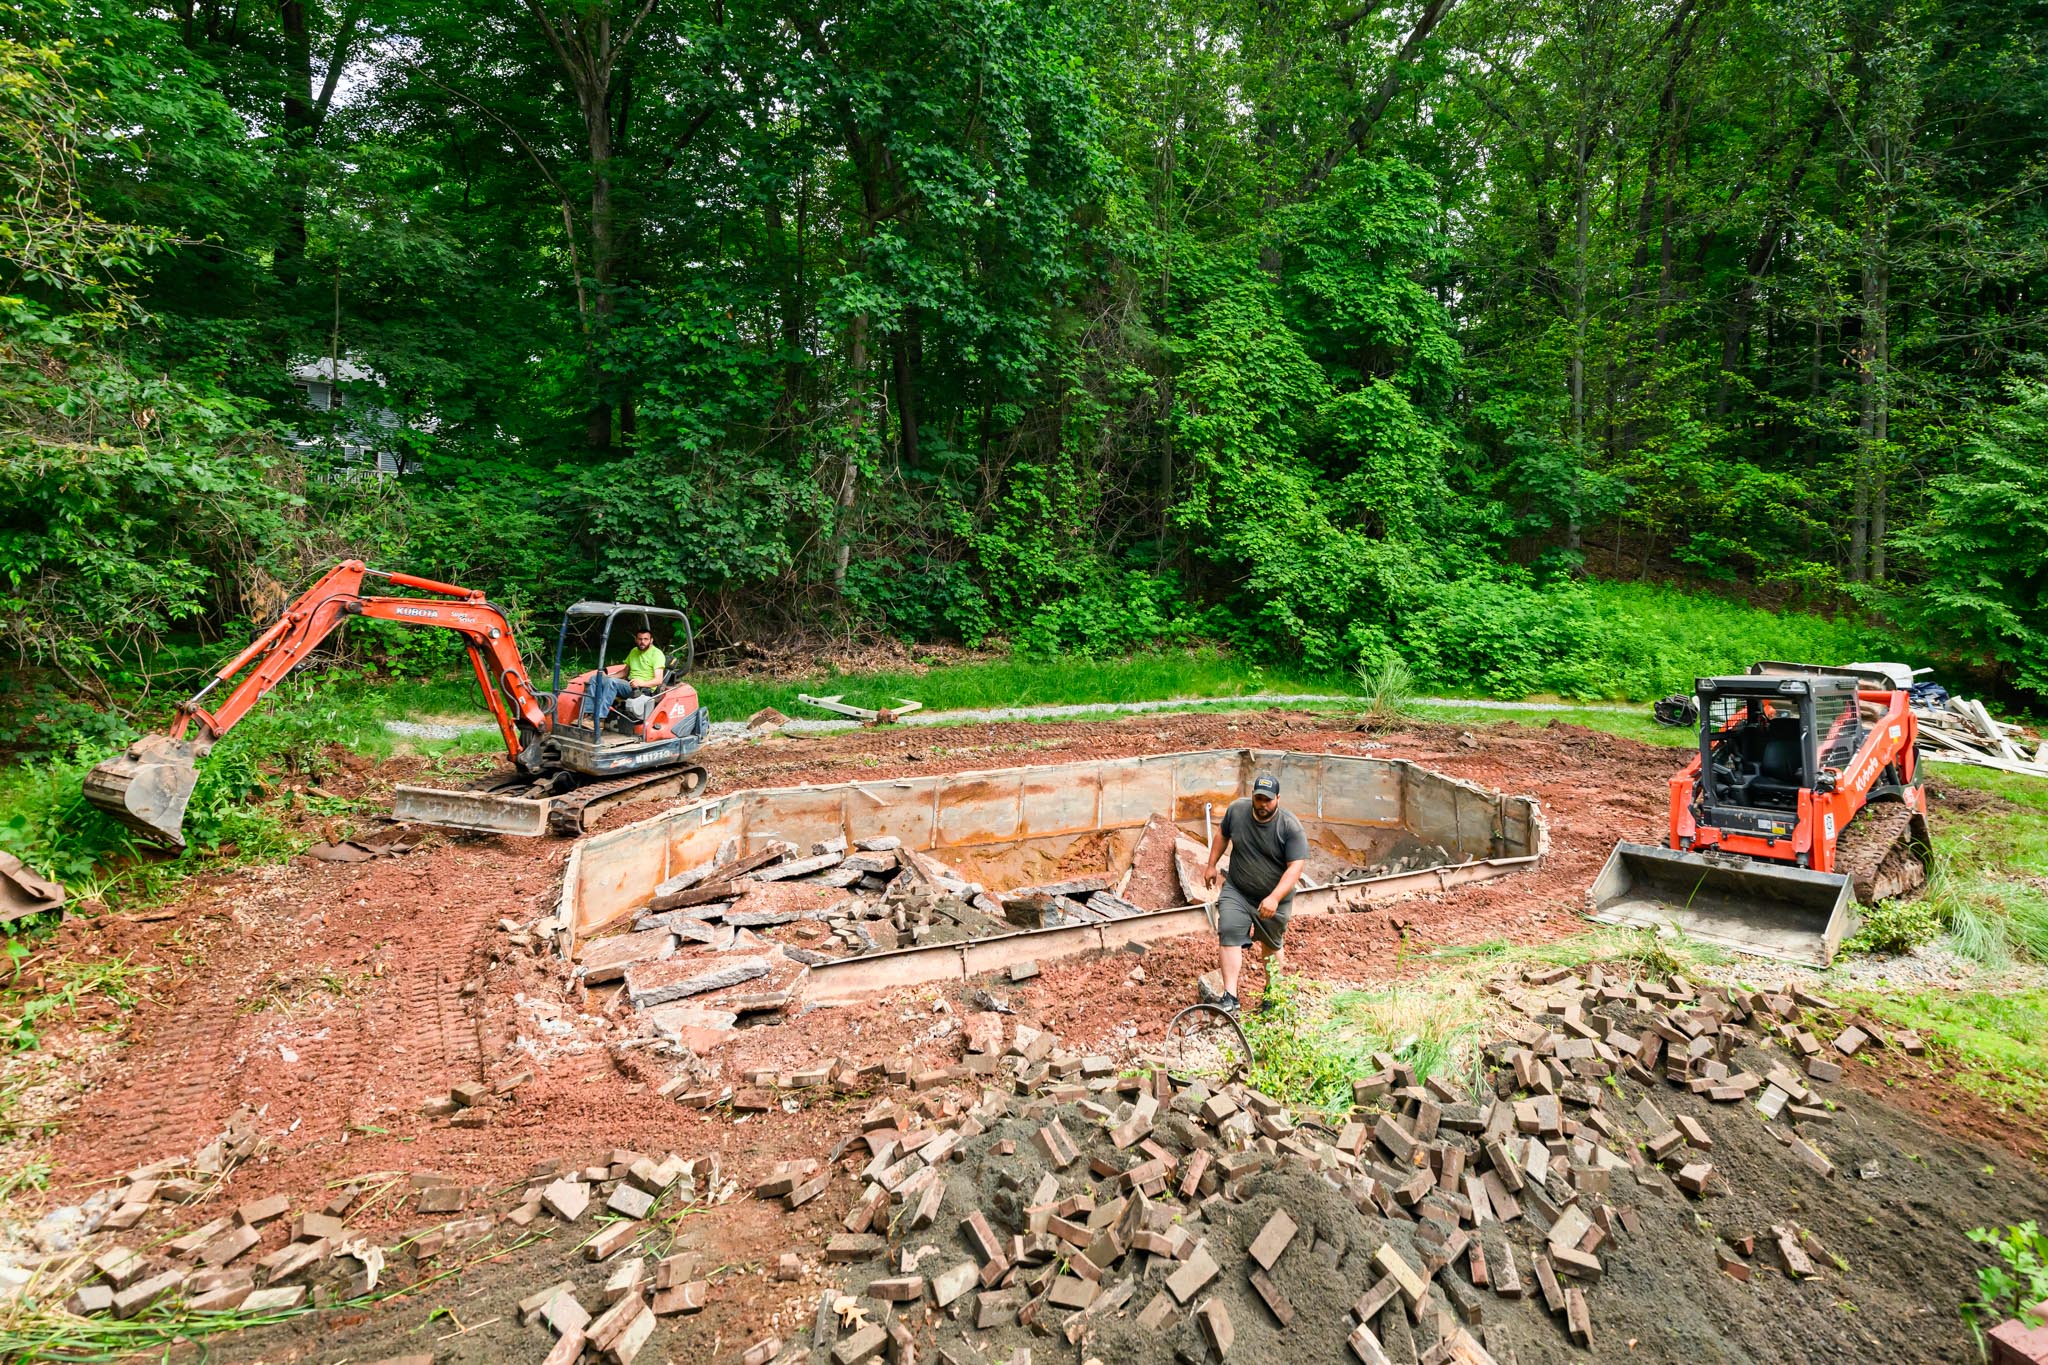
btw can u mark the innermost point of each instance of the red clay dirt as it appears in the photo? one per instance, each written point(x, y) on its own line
point(332, 999)
point(336, 997)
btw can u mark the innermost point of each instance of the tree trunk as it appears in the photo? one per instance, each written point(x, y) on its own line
point(298, 135)
point(1582, 210)
point(849, 465)
point(603, 247)
point(904, 363)
point(1873, 417)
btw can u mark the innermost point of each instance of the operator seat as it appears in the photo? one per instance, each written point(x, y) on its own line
point(1781, 765)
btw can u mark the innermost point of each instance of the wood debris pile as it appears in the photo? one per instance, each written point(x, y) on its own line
point(1960, 730)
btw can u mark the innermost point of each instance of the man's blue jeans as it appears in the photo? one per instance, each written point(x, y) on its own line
point(604, 690)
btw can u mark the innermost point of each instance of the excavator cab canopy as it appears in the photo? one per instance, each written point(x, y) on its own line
point(610, 612)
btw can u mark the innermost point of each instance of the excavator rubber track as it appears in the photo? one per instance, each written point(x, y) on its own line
point(572, 812)
point(1884, 852)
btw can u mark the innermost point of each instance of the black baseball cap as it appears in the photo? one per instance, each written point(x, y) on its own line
point(1265, 784)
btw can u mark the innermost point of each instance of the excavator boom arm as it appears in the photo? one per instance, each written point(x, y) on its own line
point(147, 787)
point(307, 622)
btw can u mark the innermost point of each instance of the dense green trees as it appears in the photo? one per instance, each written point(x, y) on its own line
point(1330, 329)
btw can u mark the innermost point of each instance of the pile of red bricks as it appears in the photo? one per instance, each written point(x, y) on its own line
point(220, 1266)
point(1506, 1195)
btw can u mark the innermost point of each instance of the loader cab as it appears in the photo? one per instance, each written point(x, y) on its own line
point(1764, 740)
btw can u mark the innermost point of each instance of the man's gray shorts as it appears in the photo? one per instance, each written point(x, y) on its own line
point(1237, 919)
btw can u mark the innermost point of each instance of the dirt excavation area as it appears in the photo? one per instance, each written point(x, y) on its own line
point(368, 1110)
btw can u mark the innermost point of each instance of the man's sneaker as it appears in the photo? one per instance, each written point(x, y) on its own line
point(1267, 1004)
point(1229, 1004)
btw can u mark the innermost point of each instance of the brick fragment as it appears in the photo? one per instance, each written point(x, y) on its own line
point(1367, 1347)
point(1216, 1326)
point(1194, 1273)
point(566, 1199)
point(1374, 1299)
point(568, 1349)
point(531, 1307)
point(1412, 1286)
point(898, 1289)
point(263, 1210)
point(441, 1199)
point(1578, 1320)
point(1058, 1147)
point(1157, 1313)
point(630, 1201)
point(229, 1245)
point(1576, 1263)
point(1272, 1239)
point(564, 1314)
point(142, 1293)
point(613, 1239)
point(625, 1346)
point(276, 1299)
point(688, 1297)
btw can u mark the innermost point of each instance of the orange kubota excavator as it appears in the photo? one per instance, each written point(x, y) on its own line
point(567, 762)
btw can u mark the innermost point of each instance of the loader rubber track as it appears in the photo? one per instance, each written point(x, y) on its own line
point(1884, 852)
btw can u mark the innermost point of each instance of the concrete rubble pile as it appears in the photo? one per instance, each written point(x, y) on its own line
point(1067, 1199)
point(735, 937)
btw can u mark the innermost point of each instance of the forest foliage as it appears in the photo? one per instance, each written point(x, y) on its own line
point(1333, 332)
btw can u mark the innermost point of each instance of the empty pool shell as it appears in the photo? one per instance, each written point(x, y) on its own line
point(1012, 819)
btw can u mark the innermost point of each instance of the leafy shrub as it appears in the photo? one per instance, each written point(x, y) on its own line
point(2016, 1282)
point(1896, 926)
point(921, 599)
point(1110, 614)
point(1984, 544)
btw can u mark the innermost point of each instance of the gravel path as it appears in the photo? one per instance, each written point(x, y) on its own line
point(814, 725)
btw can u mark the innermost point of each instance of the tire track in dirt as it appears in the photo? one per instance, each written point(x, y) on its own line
point(328, 998)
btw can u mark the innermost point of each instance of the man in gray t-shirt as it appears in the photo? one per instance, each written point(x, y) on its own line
point(1268, 849)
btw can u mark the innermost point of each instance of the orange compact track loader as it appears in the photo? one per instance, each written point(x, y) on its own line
point(566, 763)
point(1805, 793)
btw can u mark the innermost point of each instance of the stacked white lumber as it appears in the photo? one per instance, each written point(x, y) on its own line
point(1962, 731)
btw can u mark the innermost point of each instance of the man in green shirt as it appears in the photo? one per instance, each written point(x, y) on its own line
point(644, 663)
point(644, 666)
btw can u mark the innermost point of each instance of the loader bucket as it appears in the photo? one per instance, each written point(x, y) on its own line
point(481, 812)
point(147, 787)
point(1768, 909)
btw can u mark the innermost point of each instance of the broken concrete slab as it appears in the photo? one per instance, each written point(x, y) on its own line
point(659, 983)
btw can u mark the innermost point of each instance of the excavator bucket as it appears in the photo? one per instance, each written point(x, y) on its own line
point(1767, 909)
point(147, 787)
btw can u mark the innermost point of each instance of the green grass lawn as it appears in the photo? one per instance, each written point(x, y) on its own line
point(1015, 681)
point(1994, 1043)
